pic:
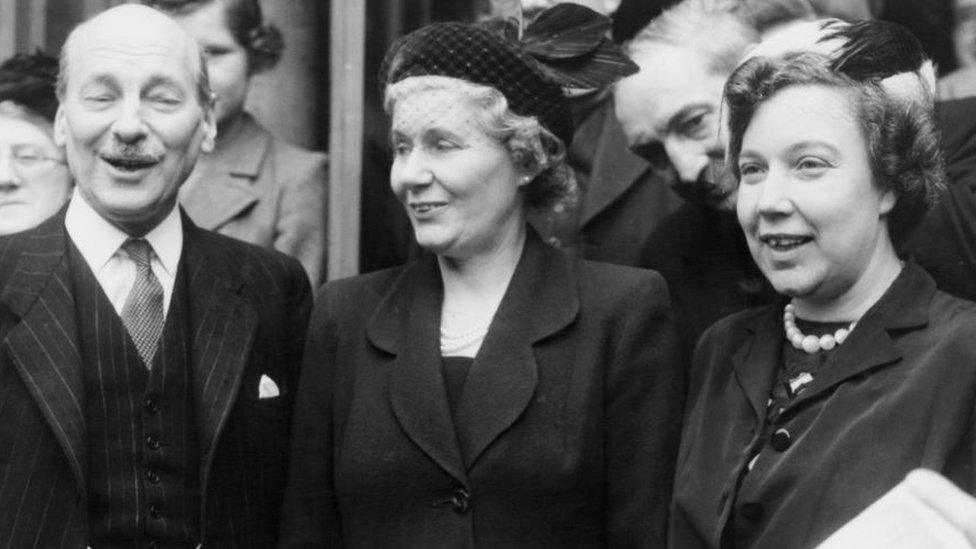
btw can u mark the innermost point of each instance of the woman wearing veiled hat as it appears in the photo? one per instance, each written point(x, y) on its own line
point(496, 392)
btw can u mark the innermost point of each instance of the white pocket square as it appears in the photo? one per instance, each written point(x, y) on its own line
point(267, 388)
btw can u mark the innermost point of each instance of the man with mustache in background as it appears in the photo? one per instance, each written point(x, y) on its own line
point(670, 113)
point(147, 367)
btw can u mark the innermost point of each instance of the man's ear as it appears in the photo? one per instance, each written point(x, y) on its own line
point(60, 132)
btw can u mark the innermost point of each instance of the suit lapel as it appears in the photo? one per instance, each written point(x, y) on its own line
point(870, 345)
point(222, 185)
point(407, 324)
point(44, 344)
point(615, 168)
point(758, 360)
point(541, 299)
point(222, 328)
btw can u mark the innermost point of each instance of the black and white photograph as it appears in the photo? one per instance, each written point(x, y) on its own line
point(677, 274)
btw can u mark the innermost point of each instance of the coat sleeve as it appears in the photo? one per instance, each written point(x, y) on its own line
point(300, 229)
point(644, 405)
point(310, 517)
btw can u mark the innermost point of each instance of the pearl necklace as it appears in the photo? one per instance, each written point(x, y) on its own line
point(474, 328)
point(811, 343)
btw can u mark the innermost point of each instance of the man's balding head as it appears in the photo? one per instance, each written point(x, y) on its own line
point(131, 23)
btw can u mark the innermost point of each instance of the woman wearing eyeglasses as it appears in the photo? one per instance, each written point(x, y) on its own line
point(34, 179)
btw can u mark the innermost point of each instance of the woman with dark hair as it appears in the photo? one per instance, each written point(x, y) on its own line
point(496, 392)
point(804, 412)
point(34, 178)
point(253, 187)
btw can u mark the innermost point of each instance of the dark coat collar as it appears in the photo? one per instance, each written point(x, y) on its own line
point(541, 299)
point(615, 168)
point(904, 306)
point(222, 185)
point(44, 343)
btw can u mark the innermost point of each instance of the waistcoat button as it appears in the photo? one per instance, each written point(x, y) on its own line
point(150, 404)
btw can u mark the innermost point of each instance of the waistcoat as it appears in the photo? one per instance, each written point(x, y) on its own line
point(143, 449)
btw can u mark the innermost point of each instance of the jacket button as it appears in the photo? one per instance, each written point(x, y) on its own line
point(152, 442)
point(155, 512)
point(150, 404)
point(460, 501)
point(152, 476)
point(780, 440)
point(751, 511)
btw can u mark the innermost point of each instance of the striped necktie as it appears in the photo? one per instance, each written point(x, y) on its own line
point(142, 313)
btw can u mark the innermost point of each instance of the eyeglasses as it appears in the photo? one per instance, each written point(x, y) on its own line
point(27, 159)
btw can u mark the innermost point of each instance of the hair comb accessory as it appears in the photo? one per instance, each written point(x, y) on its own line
point(566, 46)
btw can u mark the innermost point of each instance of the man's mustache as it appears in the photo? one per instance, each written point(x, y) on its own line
point(131, 153)
point(713, 187)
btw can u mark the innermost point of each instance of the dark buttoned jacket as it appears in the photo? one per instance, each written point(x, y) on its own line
point(625, 198)
point(703, 256)
point(564, 434)
point(944, 242)
point(897, 395)
point(248, 312)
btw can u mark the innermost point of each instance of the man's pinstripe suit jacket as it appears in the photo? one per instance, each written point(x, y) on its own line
point(248, 313)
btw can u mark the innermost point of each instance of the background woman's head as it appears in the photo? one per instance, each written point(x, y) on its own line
point(459, 146)
point(237, 41)
point(796, 184)
point(34, 180)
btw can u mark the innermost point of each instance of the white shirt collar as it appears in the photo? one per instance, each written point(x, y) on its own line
point(98, 240)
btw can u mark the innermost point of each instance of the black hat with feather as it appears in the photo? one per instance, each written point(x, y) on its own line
point(566, 46)
point(877, 50)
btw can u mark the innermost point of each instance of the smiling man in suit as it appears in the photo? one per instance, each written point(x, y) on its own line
point(146, 366)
